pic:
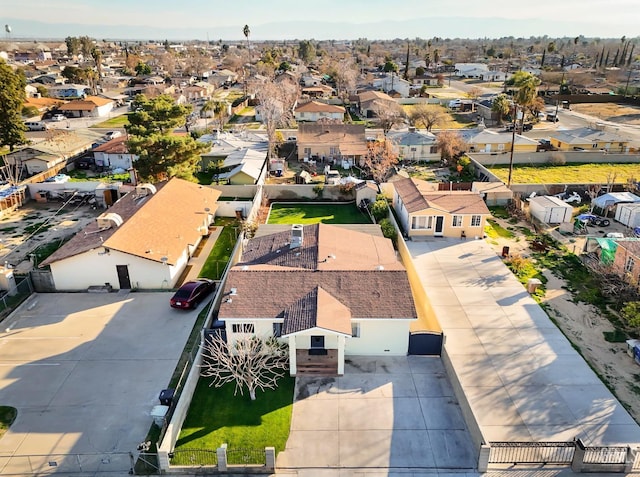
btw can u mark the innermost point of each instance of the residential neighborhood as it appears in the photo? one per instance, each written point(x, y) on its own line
point(355, 256)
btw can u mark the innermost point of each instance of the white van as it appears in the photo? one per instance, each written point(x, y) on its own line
point(36, 126)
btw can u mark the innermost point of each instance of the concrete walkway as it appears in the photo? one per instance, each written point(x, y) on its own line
point(520, 375)
point(385, 413)
point(196, 262)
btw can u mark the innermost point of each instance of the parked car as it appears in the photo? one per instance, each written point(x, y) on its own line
point(191, 293)
point(112, 135)
point(552, 117)
point(58, 117)
point(545, 145)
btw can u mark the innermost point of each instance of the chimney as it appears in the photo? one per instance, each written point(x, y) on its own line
point(296, 237)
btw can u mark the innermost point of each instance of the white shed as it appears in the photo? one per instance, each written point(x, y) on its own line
point(628, 214)
point(550, 210)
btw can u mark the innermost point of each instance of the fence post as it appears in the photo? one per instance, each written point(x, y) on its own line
point(578, 456)
point(163, 460)
point(221, 452)
point(630, 459)
point(483, 458)
point(270, 458)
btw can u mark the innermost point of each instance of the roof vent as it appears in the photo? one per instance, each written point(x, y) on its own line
point(108, 220)
point(296, 236)
point(379, 268)
point(143, 190)
point(233, 292)
point(245, 268)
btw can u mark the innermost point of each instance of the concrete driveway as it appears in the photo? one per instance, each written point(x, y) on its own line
point(384, 413)
point(84, 371)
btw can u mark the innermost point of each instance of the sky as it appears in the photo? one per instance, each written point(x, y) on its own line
point(324, 19)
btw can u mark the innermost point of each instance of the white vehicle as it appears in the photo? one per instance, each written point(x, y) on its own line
point(58, 117)
point(36, 126)
point(332, 177)
point(112, 135)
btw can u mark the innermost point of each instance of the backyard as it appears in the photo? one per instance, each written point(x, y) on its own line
point(316, 213)
point(567, 174)
point(115, 122)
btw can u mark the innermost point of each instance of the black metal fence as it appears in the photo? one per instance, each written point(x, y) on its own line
point(531, 452)
point(605, 455)
point(245, 456)
point(200, 457)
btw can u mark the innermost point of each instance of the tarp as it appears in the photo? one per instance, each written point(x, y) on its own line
point(607, 250)
point(612, 198)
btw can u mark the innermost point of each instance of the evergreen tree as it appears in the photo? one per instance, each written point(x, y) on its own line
point(12, 96)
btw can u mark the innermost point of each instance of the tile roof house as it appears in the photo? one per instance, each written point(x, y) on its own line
point(369, 101)
point(414, 145)
point(144, 240)
point(114, 154)
point(91, 106)
point(330, 291)
point(424, 213)
point(315, 110)
point(485, 140)
point(331, 142)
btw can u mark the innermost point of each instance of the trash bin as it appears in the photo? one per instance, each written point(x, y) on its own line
point(166, 397)
point(505, 251)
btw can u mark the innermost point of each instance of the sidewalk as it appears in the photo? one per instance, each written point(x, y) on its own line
point(197, 261)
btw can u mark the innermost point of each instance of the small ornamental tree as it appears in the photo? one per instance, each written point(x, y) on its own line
point(380, 210)
point(251, 362)
point(388, 230)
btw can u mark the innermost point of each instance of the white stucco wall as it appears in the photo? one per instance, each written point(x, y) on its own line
point(91, 268)
point(379, 337)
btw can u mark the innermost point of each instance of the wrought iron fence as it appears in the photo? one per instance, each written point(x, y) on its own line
point(531, 452)
point(245, 456)
point(194, 457)
point(605, 455)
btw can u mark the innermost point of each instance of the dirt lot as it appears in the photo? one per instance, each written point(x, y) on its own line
point(36, 225)
point(584, 326)
point(610, 112)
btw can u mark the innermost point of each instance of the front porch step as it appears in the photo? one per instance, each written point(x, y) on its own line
point(317, 369)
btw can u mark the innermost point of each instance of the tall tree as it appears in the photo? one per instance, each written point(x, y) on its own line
point(276, 107)
point(501, 106)
point(406, 65)
point(379, 159)
point(427, 115)
point(251, 362)
point(306, 51)
point(387, 114)
point(161, 155)
point(12, 96)
point(96, 54)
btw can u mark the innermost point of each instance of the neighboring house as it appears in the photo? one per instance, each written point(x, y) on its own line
point(588, 139)
point(370, 101)
point(222, 77)
point(493, 193)
point(243, 167)
point(52, 153)
point(308, 80)
point(627, 258)
point(114, 154)
point(414, 145)
point(315, 110)
point(42, 104)
point(425, 213)
point(68, 91)
point(425, 80)
point(320, 91)
point(143, 241)
point(328, 291)
point(485, 111)
point(91, 106)
point(480, 71)
point(332, 142)
point(492, 141)
point(194, 93)
point(393, 83)
point(224, 144)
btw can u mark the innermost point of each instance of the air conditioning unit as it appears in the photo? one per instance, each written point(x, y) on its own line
point(108, 220)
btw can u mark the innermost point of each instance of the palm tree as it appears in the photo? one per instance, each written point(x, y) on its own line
point(246, 32)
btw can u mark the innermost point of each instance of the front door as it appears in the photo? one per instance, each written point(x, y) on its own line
point(123, 277)
point(439, 225)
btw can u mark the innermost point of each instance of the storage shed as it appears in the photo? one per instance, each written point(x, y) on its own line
point(550, 210)
point(607, 202)
point(628, 214)
point(493, 193)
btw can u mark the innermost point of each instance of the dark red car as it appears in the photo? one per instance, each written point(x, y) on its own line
point(191, 293)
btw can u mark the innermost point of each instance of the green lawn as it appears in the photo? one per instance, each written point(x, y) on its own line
point(221, 252)
point(216, 416)
point(315, 213)
point(115, 122)
point(494, 230)
point(570, 173)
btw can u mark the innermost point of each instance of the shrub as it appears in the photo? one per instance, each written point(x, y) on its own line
point(388, 230)
point(318, 190)
point(557, 159)
point(380, 210)
point(30, 111)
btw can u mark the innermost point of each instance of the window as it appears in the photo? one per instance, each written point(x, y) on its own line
point(500, 147)
point(334, 151)
point(242, 328)
point(355, 330)
point(476, 220)
point(594, 145)
point(277, 330)
point(307, 152)
point(629, 264)
point(422, 222)
point(414, 149)
point(457, 221)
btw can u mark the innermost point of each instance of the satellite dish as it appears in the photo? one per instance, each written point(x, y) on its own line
point(7, 28)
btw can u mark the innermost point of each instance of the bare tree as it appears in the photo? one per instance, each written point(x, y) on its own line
point(276, 100)
point(388, 114)
point(346, 75)
point(250, 362)
point(380, 158)
point(427, 115)
point(450, 144)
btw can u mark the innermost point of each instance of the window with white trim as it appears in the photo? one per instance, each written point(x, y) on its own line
point(307, 152)
point(242, 328)
point(355, 330)
point(421, 222)
point(476, 220)
point(629, 264)
point(456, 221)
point(277, 330)
point(334, 151)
